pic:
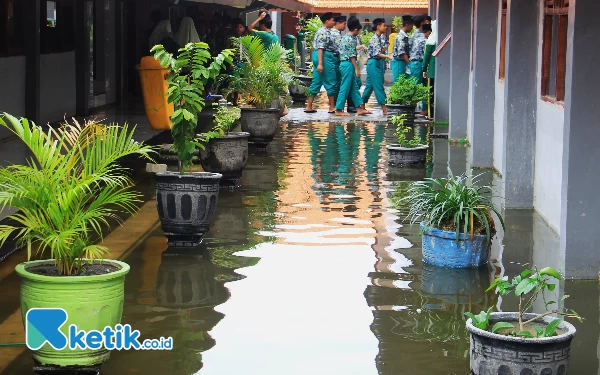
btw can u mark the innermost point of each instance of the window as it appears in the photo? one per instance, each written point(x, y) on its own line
point(11, 28)
point(554, 49)
point(502, 62)
point(58, 28)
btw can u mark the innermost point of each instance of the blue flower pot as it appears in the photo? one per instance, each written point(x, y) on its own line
point(441, 249)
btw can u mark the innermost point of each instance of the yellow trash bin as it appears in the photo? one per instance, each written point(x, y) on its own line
point(154, 87)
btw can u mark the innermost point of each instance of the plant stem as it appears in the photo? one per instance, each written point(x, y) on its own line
point(520, 314)
point(549, 313)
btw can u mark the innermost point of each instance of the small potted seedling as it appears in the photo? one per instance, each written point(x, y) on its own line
point(522, 342)
point(187, 200)
point(222, 151)
point(408, 152)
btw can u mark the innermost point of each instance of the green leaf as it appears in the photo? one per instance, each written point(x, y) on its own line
point(551, 328)
point(551, 287)
point(525, 334)
point(551, 272)
point(526, 272)
point(564, 297)
point(539, 331)
point(500, 326)
point(526, 286)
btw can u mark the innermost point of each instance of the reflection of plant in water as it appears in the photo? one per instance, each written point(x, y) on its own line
point(189, 343)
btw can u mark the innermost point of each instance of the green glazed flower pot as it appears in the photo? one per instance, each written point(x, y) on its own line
point(91, 302)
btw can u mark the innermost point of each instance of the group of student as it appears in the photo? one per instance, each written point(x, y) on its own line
point(192, 28)
point(336, 64)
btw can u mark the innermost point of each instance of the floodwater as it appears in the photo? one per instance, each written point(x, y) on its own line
point(309, 270)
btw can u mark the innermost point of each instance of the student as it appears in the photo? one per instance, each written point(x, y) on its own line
point(360, 49)
point(162, 34)
point(417, 50)
point(324, 67)
point(349, 70)
point(187, 32)
point(376, 65)
point(239, 27)
point(265, 33)
point(429, 63)
point(401, 51)
point(336, 32)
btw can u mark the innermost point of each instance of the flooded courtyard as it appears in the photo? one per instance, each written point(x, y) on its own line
point(308, 269)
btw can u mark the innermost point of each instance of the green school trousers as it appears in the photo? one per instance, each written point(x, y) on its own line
point(398, 67)
point(348, 86)
point(328, 77)
point(375, 70)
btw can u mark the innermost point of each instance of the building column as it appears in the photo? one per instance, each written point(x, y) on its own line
point(83, 10)
point(580, 178)
point(433, 9)
point(460, 67)
point(483, 83)
point(521, 93)
point(31, 35)
point(442, 68)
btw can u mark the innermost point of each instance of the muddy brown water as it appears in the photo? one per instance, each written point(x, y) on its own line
point(308, 270)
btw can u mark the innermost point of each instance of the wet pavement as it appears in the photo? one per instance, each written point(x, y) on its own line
point(309, 270)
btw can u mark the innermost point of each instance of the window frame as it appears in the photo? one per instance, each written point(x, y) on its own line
point(502, 57)
point(555, 15)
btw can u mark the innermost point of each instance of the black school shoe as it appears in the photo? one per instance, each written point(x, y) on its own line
point(351, 110)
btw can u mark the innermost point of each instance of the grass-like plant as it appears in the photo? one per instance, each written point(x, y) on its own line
point(69, 189)
point(527, 286)
point(265, 74)
point(455, 203)
point(406, 91)
point(402, 131)
point(188, 75)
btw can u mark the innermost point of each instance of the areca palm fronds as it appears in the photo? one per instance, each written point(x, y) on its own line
point(456, 201)
point(265, 73)
point(69, 189)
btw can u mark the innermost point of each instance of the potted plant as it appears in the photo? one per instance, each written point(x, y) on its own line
point(66, 194)
point(186, 202)
point(223, 151)
point(404, 95)
point(521, 342)
point(407, 152)
point(456, 222)
point(261, 81)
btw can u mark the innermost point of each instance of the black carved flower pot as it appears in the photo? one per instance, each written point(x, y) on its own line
point(507, 355)
point(398, 109)
point(410, 157)
point(299, 91)
point(226, 155)
point(262, 124)
point(186, 205)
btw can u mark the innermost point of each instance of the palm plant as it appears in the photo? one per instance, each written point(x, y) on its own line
point(311, 27)
point(188, 75)
point(69, 189)
point(455, 203)
point(265, 74)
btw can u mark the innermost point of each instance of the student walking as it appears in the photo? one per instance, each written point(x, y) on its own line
point(376, 65)
point(401, 49)
point(324, 65)
point(417, 50)
point(349, 71)
point(336, 32)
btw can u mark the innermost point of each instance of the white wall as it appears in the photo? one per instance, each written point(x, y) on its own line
point(57, 85)
point(548, 162)
point(12, 95)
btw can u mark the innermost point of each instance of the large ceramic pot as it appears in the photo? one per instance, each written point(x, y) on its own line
point(407, 157)
point(398, 109)
point(441, 249)
point(226, 155)
point(299, 92)
point(91, 302)
point(262, 124)
point(188, 281)
point(279, 103)
point(186, 205)
point(498, 354)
